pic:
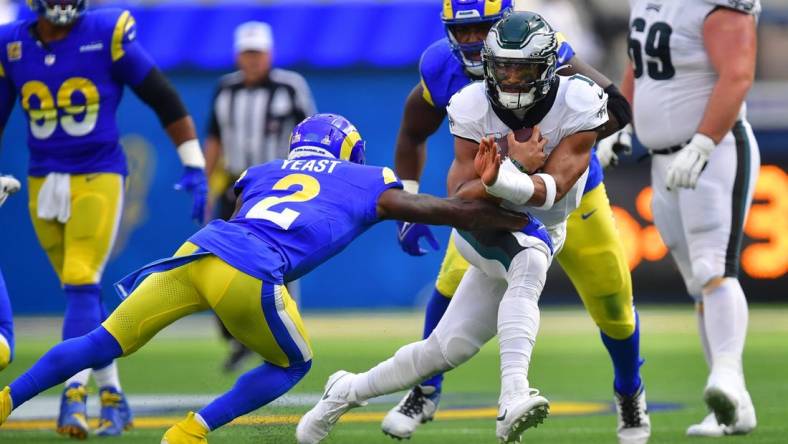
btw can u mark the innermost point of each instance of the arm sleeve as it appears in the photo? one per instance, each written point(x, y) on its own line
point(384, 179)
point(7, 97)
point(130, 62)
point(157, 92)
point(751, 7)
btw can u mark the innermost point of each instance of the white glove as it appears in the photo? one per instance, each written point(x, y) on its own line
point(685, 169)
point(8, 186)
point(609, 148)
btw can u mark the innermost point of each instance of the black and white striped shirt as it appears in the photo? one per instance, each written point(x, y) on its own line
point(254, 123)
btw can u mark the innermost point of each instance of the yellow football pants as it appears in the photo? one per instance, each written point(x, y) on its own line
point(261, 315)
point(592, 257)
point(79, 249)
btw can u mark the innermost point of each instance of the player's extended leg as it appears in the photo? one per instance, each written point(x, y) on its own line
point(421, 403)
point(161, 299)
point(594, 260)
point(263, 317)
point(469, 323)
point(6, 326)
point(713, 216)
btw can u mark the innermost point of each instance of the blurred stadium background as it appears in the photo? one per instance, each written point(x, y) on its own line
point(360, 58)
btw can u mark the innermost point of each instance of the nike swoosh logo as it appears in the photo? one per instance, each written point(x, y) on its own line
point(502, 417)
point(90, 177)
point(601, 93)
point(585, 216)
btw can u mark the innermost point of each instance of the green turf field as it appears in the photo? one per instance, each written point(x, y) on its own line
point(569, 365)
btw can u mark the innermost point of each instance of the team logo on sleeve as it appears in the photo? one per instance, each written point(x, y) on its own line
point(14, 51)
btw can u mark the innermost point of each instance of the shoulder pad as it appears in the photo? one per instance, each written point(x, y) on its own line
point(752, 7)
point(582, 94)
point(466, 111)
point(436, 67)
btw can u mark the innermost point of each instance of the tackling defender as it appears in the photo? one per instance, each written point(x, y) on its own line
point(291, 216)
point(692, 64)
point(499, 293)
point(8, 185)
point(69, 67)
point(592, 249)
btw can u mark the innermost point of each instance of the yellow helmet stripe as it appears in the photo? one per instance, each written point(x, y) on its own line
point(492, 7)
point(448, 12)
point(348, 144)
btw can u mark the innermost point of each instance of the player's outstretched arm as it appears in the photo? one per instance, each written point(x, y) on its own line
point(460, 213)
point(618, 107)
point(420, 120)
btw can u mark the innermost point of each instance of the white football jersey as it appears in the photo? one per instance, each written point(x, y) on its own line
point(579, 105)
point(673, 75)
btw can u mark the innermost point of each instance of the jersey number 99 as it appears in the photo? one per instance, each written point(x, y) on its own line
point(77, 120)
point(310, 188)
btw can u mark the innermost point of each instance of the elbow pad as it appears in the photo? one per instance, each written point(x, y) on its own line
point(157, 92)
point(618, 107)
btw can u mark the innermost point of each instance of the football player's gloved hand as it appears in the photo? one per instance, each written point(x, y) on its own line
point(194, 182)
point(609, 148)
point(409, 235)
point(685, 169)
point(8, 186)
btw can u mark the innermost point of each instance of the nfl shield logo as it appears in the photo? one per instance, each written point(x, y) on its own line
point(14, 50)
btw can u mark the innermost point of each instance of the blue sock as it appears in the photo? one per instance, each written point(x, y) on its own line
point(63, 361)
point(252, 390)
point(84, 312)
point(6, 316)
point(625, 354)
point(436, 307)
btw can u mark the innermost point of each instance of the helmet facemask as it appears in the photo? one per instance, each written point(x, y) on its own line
point(516, 83)
point(59, 12)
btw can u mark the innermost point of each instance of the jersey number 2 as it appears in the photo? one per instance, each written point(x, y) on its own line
point(310, 188)
point(657, 47)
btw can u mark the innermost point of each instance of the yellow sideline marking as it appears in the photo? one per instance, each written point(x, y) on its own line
point(160, 422)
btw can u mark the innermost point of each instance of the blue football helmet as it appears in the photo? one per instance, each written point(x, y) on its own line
point(327, 135)
point(59, 12)
point(468, 12)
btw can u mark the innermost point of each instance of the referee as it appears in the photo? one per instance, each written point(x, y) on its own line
point(253, 113)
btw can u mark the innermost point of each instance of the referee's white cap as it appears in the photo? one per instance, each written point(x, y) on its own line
point(253, 36)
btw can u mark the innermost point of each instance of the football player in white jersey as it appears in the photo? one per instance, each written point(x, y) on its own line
point(692, 63)
point(555, 118)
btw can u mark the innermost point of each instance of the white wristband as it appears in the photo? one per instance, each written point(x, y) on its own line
point(550, 191)
point(512, 185)
point(411, 186)
point(191, 154)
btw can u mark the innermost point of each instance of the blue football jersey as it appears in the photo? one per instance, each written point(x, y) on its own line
point(442, 75)
point(296, 214)
point(70, 90)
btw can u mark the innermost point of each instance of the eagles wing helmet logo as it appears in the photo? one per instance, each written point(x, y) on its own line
point(14, 51)
point(544, 44)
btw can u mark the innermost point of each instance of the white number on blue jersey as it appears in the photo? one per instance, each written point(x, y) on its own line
point(310, 188)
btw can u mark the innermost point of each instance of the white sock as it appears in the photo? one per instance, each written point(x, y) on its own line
point(80, 378)
point(704, 339)
point(518, 319)
point(108, 377)
point(725, 317)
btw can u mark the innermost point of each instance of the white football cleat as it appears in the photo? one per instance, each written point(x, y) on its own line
point(337, 399)
point(746, 421)
point(416, 408)
point(634, 424)
point(722, 395)
point(519, 413)
point(708, 428)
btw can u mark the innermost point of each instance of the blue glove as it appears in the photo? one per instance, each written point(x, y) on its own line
point(409, 235)
point(193, 181)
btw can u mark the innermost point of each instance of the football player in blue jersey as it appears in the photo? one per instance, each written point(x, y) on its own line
point(291, 216)
point(592, 248)
point(69, 67)
point(8, 185)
